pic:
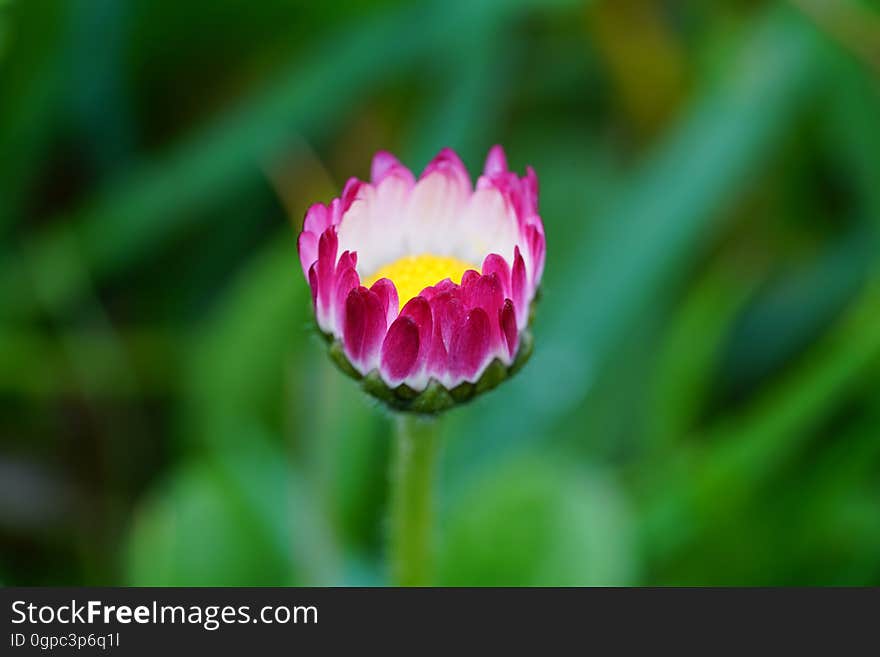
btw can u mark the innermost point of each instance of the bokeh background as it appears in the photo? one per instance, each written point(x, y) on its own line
point(703, 405)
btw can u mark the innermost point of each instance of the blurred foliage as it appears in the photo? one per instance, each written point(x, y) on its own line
point(702, 406)
point(538, 522)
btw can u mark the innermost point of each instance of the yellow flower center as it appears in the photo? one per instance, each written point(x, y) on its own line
point(412, 274)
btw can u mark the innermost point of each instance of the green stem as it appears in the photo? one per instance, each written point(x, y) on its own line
point(412, 477)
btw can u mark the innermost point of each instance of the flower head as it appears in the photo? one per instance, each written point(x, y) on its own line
point(424, 287)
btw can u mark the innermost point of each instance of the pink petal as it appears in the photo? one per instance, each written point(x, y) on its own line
point(307, 247)
point(387, 293)
point(350, 193)
point(390, 200)
point(313, 283)
point(354, 325)
point(537, 249)
point(489, 219)
point(448, 313)
point(496, 161)
point(363, 327)
point(470, 345)
point(400, 350)
point(346, 281)
point(447, 161)
point(326, 269)
point(437, 202)
point(518, 287)
point(530, 189)
point(485, 292)
point(334, 212)
point(348, 260)
point(317, 219)
point(375, 329)
point(419, 311)
point(507, 321)
point(383, 162)
point(507, 184)
point(399, 176)
point(495, 264)
point(446, 285)
point(430, 292)
point(469, 278)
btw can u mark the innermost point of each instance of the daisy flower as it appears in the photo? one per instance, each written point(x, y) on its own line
point(424, 288)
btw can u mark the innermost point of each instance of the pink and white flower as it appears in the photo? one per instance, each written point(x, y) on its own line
point(425, 284)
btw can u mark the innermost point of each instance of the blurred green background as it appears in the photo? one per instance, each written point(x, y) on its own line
point(703, 404)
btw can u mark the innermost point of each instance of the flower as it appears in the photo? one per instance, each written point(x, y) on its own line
point(425, 288)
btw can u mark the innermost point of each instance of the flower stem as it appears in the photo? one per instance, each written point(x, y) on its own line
point(412, 478)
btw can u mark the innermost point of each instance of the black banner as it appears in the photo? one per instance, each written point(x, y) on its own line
point(231, 620)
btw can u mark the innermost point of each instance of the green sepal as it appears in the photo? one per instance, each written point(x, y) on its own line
point(435, 398)
point(337, 354)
